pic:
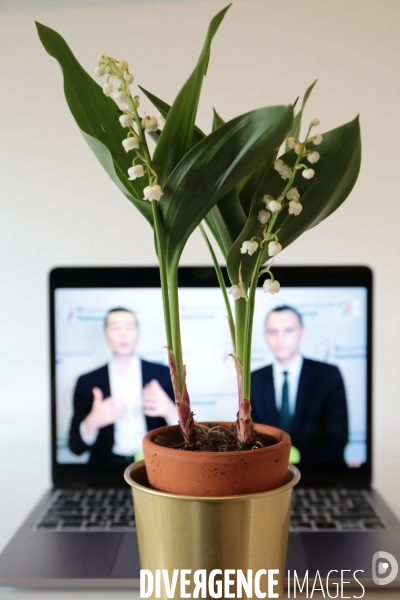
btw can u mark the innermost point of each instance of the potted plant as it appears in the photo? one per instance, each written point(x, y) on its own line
point(206, 489)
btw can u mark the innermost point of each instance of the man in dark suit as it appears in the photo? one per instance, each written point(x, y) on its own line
point(304, 397)
point(115, 405)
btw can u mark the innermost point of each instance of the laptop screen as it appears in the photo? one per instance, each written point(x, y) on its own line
point(309, 364)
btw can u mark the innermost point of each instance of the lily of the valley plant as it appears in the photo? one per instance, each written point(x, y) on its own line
point(254, 203)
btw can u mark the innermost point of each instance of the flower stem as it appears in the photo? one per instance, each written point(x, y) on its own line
point(249, 316)
point(141, 133)
point(175, 327)
point(240, 312)
point(160, 249)
point(222, 286)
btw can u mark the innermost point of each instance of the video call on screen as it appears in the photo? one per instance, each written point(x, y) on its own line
point(325, 363)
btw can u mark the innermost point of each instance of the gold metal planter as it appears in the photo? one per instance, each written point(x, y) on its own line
point(231, 532)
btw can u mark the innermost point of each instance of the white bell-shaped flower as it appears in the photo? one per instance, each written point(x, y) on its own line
point(274, 206)
point(237, 292)
point(313, 157)
point(308, 173)
point(122, 66)
point(274, 248)
point(271, 287)
point(150, 124)
point(293, 194)
point(126, 120)
point(263, 216)
point(317, 139)
point(121, 97)
point(129, 78)
point(291, 142)
point(298, 148)
point(152, 192)
point(100, 70)
point(135, 172)
point(283, 169)
point(131, 143)
point(295, 208)
point(249, 247)
point(314, 122)
point(108, 88)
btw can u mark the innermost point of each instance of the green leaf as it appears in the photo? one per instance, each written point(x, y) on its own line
point(226, 219)
point(252, 182)
point(217, 120)
point(295, 132)
point(213, 167)
point(97, 118)
point(160, 105)
point(335, 175)
point(176, 137)
point(248, 186)
point(212, 225)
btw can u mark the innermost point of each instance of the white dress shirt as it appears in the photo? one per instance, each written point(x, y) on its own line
point(293, 370)
point(130, 429)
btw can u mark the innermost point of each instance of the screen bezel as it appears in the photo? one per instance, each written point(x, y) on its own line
point(83, 475)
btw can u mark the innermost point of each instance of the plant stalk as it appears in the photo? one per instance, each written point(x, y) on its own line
point(160, 249)
point(178, 370)
point(175, 326)
point(240, 313)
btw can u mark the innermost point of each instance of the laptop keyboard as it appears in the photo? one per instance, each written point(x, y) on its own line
point(334, 510)
point(111, 510)
point(88, 510)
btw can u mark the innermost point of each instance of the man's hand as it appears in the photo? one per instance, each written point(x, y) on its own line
point(103, 413)
point(157, 403)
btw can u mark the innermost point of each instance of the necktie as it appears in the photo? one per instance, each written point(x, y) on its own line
point(285, 418)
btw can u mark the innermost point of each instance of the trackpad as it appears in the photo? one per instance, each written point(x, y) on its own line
point(127, 562)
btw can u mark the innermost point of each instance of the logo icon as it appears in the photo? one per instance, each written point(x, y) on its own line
point(384, 568)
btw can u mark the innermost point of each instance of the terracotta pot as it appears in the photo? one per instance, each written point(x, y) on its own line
point(217, 473)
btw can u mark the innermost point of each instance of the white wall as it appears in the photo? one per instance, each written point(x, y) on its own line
point(60, 208)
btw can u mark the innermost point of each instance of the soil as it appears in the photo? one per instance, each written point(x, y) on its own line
point(214, 438)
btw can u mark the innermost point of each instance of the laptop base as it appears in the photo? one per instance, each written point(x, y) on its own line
point(44, 559)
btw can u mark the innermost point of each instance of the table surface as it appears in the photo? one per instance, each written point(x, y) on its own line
point(25, 476)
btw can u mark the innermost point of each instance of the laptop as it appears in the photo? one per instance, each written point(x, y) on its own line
point(82, 532)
